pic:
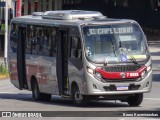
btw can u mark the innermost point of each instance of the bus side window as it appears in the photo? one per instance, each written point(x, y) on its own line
point(46, 41)
point(76, 51)
point(37, 41)
point(52, 43)
point(14, 37)
point(29, 40)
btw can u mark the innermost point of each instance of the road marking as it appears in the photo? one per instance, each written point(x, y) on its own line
point(156, 99)
point(13, 93)
point(7, 92)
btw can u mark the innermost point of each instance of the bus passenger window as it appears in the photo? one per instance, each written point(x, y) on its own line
point(76, 51)
point(52, 43)
point(37, 41)
point(45, 44)
point(29, 41)
point(49, 42)
point(14, 37)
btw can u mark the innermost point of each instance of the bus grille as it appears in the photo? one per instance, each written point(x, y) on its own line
point(121, 68)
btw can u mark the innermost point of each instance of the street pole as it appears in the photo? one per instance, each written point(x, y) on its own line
point(6, 35)
point(13, 8)
point(18, 8)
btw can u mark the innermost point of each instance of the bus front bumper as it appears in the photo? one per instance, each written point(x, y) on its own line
point(96, 87)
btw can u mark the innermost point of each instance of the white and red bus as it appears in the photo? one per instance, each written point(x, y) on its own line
point(79, 54)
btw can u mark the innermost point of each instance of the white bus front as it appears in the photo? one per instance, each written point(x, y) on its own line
point(117, 62)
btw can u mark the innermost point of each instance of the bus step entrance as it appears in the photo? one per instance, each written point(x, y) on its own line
point(65, 96)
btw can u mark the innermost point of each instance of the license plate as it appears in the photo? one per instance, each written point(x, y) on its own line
point(122, 88)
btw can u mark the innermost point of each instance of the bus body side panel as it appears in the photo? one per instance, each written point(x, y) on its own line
point(43, 69)
point(76, 74)
point(13, 69)
point(75, 61)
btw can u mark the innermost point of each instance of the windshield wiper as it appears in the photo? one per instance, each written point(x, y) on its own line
point(105, 61)
point(133, 59)
point(113, 47)
point(130, 56)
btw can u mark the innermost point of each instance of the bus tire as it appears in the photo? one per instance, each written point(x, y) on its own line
point(35, 92)
point(135, 100)
point(78, 99)
point(37, 95)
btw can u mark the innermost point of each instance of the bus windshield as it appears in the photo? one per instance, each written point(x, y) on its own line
point(115, 43)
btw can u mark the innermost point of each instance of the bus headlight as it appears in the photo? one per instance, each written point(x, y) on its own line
point(149, 68)
point(90, 70)
point(143, 73)
point(98, 75)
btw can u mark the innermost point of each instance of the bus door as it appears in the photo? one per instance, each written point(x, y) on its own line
point(21, 67)
point(62, 62)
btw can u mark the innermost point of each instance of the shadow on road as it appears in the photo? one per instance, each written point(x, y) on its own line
point(63, 102)
point(91, 104)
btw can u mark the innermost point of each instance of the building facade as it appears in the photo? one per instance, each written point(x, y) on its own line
point(29, 6)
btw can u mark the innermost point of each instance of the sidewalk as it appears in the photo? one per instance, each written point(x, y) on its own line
point(1, 60)
point(3, 76)
point(154, 47)
point(1, 57)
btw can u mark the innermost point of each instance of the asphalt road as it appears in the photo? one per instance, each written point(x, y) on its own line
point(12, 99)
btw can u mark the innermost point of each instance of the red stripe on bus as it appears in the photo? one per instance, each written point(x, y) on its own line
point(120, 75)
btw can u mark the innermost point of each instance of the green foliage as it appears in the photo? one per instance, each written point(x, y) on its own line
point(3, 70)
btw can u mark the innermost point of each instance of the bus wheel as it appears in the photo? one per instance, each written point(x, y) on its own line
point(37, 95)
point(77, 97)
point(135, 100)
point(35, 92)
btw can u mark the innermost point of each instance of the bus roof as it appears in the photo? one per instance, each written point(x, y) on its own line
point(68, 17)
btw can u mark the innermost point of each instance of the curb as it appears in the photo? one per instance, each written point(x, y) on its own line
point(2, 77)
